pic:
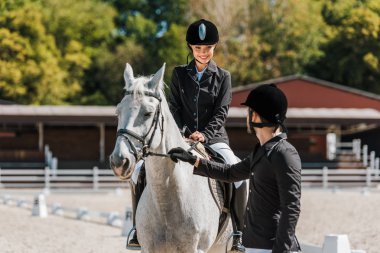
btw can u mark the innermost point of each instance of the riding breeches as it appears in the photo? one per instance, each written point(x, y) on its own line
point(239, 192)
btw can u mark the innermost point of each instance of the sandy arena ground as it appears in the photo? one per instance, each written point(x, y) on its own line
point(350, 212)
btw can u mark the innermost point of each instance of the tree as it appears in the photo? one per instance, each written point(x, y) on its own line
point(158, 27)
point(263, 39)
point(46, 47)
point(29, 60)
point(107, 73)
point(82, 36)
point(351, 54)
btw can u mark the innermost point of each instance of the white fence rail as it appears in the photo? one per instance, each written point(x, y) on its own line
point(340, 177)
point(95, 178)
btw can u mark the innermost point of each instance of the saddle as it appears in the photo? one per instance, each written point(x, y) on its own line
point(221, 191)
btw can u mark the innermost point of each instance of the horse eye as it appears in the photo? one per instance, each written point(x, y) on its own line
point(147, 114)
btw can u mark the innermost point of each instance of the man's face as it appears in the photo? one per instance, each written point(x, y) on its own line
point(250, 118)
point(203, 53)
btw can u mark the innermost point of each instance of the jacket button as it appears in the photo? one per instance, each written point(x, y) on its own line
point(195, 114)
point(247, 208)
point(252, 173)
point(250, 191)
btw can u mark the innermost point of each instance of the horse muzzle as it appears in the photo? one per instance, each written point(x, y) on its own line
point(122, 168)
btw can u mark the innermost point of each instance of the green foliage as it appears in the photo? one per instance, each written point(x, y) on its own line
point(29, 67)
point(47, 45)
point(353, 49)
point(65, 52)
point(107, 81)
point(290, 33)
point(173, 49)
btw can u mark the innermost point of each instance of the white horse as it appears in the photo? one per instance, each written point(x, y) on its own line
point(176, 212)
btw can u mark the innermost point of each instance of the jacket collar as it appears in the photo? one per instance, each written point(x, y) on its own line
point(269, 145)
point(210, 69)
point(266, 149)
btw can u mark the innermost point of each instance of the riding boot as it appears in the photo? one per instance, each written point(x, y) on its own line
point(136, 190)
point(238, 206)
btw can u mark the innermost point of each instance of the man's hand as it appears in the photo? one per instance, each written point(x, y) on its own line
point(197, 136)
point(183, 155)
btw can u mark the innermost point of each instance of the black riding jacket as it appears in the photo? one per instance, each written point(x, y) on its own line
point(201, 105)
point(273, 207)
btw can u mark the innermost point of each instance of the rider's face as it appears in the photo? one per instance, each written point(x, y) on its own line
point(203, 53)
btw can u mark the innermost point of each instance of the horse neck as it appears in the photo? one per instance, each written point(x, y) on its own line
point(162, 173)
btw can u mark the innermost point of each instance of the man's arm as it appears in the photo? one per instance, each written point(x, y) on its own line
point(225, 172)
point(287, 166)
point(221, 171)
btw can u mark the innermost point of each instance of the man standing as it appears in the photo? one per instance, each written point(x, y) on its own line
point(274, 170)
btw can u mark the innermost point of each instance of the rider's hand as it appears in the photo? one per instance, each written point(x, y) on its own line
point(183, 155)
point(197, 136)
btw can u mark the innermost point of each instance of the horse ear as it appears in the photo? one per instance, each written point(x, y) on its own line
point(128, 75)
point(157, 80)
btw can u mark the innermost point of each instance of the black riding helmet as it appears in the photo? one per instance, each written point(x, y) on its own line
point(270, 103)
point(202, 32)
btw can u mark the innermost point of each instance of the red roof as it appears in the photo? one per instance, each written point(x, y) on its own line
point(308, 92)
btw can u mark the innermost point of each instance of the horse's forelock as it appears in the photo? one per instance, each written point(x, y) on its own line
point(139, 86)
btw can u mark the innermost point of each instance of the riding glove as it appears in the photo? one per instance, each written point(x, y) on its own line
point(183, 155)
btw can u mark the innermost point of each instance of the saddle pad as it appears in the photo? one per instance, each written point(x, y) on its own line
point(198, 147)
point(217, 191)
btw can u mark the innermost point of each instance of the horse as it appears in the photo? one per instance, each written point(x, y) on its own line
point(176, 212)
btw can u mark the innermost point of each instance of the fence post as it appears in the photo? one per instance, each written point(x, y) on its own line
point(368, 177)
point(357, 149)
point(95, 181)
point(372, 160)
point(47, 179)
point(54, 166)
point(377, 165)
point(331, 143)
point(46, 151)
point(365, 155)
point(325, 176)
point(0, 179)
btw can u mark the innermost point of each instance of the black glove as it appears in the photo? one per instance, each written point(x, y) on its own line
point(183, 155)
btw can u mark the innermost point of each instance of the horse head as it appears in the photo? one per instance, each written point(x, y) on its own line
point(139, 121)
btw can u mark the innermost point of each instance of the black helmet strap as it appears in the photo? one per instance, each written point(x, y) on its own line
point(265, 124)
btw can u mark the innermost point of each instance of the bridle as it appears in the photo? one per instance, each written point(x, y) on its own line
point(144, 151)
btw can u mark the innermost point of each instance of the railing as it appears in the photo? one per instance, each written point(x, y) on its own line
point(361, 153)
point(97, 179)
point(94, 179)
point(341, 177)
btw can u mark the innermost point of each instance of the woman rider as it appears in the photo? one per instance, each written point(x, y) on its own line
point(199, 101)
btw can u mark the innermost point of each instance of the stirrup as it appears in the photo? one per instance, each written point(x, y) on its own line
point(237, 247)
point(129, 246)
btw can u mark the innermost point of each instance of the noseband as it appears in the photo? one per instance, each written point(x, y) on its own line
point(144, 152)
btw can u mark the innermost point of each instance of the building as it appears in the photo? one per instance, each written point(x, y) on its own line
point(84, 136)
point(316, 107)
